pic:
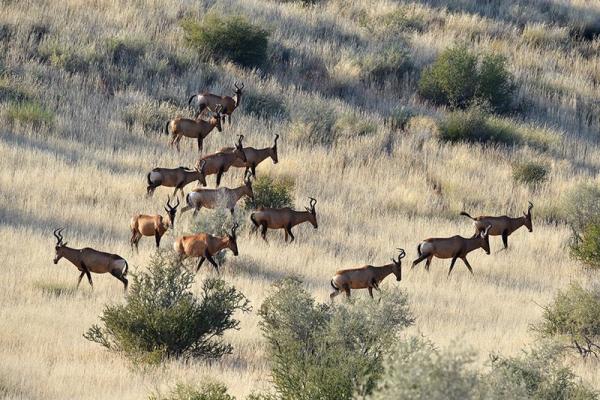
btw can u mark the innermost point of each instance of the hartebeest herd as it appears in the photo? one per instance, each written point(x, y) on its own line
point(205, 245)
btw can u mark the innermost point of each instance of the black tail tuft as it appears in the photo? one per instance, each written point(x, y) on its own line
point(419, 250)
point(333, 286)
point(187, 200)
point(466, 215)
point(148, 178)
point(126, 268)
point(191, 99)
point(167, 128)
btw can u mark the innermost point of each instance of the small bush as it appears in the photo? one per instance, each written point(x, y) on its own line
point(473, 125)
point(313, 124)
point(227, 38)
point(265, 106)
point(209, 391)
point(387, 64)
point(162, 318)
point(399, 117)
point(457, 79)
point(271, 193)
point(530, 173)
point(353, 126)
point(399, 21)
point(328, 352)
point(573, 315)
point(29, 113)
point(585, 245)
point(582, 212)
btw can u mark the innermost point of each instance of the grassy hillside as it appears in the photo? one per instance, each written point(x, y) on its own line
point(87, 87)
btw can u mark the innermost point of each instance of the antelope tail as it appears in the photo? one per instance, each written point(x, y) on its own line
point(126, 268)
point(333, 286)
point(187, 200)
point(253, 220)
point(190, 100)
point(148, 178)
point(419, 249)
point(466, 215)
point(167, 127)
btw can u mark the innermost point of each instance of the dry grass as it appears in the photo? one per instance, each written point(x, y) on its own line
point(376, 192)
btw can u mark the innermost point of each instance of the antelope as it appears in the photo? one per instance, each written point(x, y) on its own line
point(152, 225)
point(210, 101)
point(283, 218)
point(89, 260)
point(175, 177)
point(453, 247)
point(219, 162)
point(206, 246)
point(196, 129)
point(254, 156)
point(502, 225)
point(212, 198)
point(365, 277)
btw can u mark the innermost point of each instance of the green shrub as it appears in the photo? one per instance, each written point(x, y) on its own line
point(473, 125)
point(582, 212)
point(457, 79)
point(29, 113)
point(162, 318)
point(585, 245)
point(328, 352)
point(271, 193)
point(265, 106)
point(399, 117)
point(232, 38)
point(209, 391)
point(573, 315)
point(530, 172)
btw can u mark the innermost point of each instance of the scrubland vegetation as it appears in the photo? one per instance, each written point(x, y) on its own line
point(395, 115)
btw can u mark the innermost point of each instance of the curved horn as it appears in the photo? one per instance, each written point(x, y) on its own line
point(402, 254)
point(312, 202)
point(190, 100)
point(530, 206)
point(177, 205)
point(169, 201)
point(200, 168)
point(234, 228)
point(239, 142)
point(275, 142)
point(235, 85)
point(58, 235)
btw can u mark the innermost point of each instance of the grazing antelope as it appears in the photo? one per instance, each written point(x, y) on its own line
point(175, 177)
point(254, 156)
point(219, 163)
point(152, 225)
point(453, 247)
point(283, 218)
point(502, 225)
point(206, 246)
point(196, 129)
point(89, 260)
point(213, 198)
point(365, 277)
point(211, 101)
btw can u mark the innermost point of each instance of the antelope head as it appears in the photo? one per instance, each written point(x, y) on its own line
point(274, 151)
point(249, 192)
point(60, 245)
point(232, 242)
point(527, 216)
point(201, 176)
point(397, 268)
point(239, 149)
point(171, 211)
point(238, 93)
point(215, 120)
point(485, 239)
point(313, 213)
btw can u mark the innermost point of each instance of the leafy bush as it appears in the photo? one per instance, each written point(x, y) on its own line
point(162, 318)
point(573, 315)
point(271, 192)
point(530, 172)
point(265, 105)
point(232, 38)
point(585, 245)
point(474, 126)
point(457, 79)
point(328, 352)
point(209, 391)
point(29, 113)
point(582, 210)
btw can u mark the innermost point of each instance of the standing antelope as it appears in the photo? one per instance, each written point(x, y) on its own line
point(218, 163)
point(210, 101)
point(206, 246)
point(502, 225)
point(175, 177)
point(365, 277)
point(196, 129)
point(152, 225)
point(254, 156)
point(453, 247)
point(89, 260)
point(213, 198)
point(283, 218)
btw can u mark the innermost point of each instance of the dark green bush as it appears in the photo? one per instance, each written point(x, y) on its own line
point(585, 245)
point(29, 113)
point(232, 38)
point(457, 79)
point(473, 125)
point(582, 212)
point(265, 106)
point(271, 193)
point(318, 351)
point(209, 391)
point(162, 318)
point(530, 172)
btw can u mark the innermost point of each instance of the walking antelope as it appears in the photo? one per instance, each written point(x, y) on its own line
point(211, 101)
point(218, 163)
point(453, 247)
point(502, 225)
point(152, 225)
point(254, 156)
point(175, 177)
point(213, 198)
point(283, 218)
point(89, 260)
point(365, 277)
point(196, 129)
point(206, 246)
